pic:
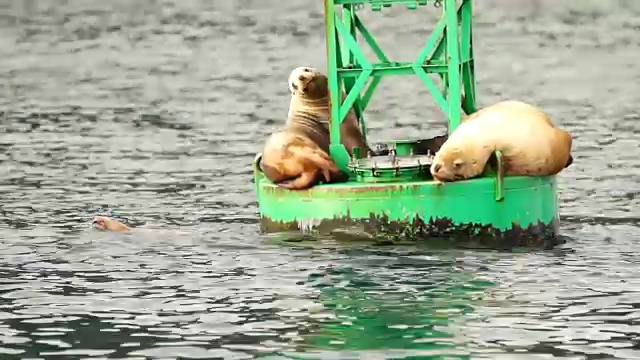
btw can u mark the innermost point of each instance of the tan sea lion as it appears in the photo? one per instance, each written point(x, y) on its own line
point(147, 232)
point(530, 143)
point(310, 98)
point(109, 224)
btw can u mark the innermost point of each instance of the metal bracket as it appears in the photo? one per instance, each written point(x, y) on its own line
point(499, 184)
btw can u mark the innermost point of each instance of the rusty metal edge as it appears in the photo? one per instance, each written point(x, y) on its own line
point(468, 235)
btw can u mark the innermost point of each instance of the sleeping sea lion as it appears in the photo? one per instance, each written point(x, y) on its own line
point(530, 143)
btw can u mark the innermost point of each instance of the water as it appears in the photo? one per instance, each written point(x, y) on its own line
point(153, 110)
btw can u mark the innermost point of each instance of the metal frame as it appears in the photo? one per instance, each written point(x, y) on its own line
point(448, 52)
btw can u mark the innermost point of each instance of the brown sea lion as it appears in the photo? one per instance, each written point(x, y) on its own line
point(109, 224)
point(297, 156)
point(310, 98)
point(292, 160)
point(530, 143)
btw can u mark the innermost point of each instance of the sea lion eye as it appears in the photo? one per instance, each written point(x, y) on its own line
point(457, 164)
point(306, 70)
point(300, 77)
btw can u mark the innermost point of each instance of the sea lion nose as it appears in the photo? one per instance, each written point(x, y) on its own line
point(437, 167)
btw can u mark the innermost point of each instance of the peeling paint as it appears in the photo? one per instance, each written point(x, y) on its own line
point(308, 225)
point(469, 235)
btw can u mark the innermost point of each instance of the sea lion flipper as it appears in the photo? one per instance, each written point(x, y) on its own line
point(306, 180)
point(326, 164)
point(327, 174)
point(317, 156)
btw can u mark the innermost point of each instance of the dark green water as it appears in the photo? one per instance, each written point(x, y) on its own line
point(154, 110)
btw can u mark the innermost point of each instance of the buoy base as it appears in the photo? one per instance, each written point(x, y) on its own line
point(468, 213)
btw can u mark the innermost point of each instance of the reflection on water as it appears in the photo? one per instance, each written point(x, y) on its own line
point(362, 301)
point(154, 110)
point(396, 303)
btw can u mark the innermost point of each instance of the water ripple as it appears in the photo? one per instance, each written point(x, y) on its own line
point(152, 111)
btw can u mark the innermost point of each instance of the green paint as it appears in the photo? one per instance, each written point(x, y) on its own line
point(404, 147)
point(336, 149)
point(526, 201)
point(391, 175)
point(499, 190)
point(415, 315)
point(453, 60)
point(466, 53)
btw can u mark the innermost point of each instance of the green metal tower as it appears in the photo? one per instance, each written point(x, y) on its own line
point(448, 52)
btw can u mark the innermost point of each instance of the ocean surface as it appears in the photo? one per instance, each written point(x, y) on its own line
point(152, 111)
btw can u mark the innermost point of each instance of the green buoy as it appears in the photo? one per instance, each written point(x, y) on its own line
point(393, 196)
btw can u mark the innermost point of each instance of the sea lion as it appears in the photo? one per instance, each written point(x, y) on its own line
point(530, 143)
point(108, 224)
point(310, 98)
point(146, 231)
point(297, 157)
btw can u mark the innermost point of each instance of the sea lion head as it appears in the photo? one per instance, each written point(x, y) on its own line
point(107, 224)
point(455, 164)
point(308, 82)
